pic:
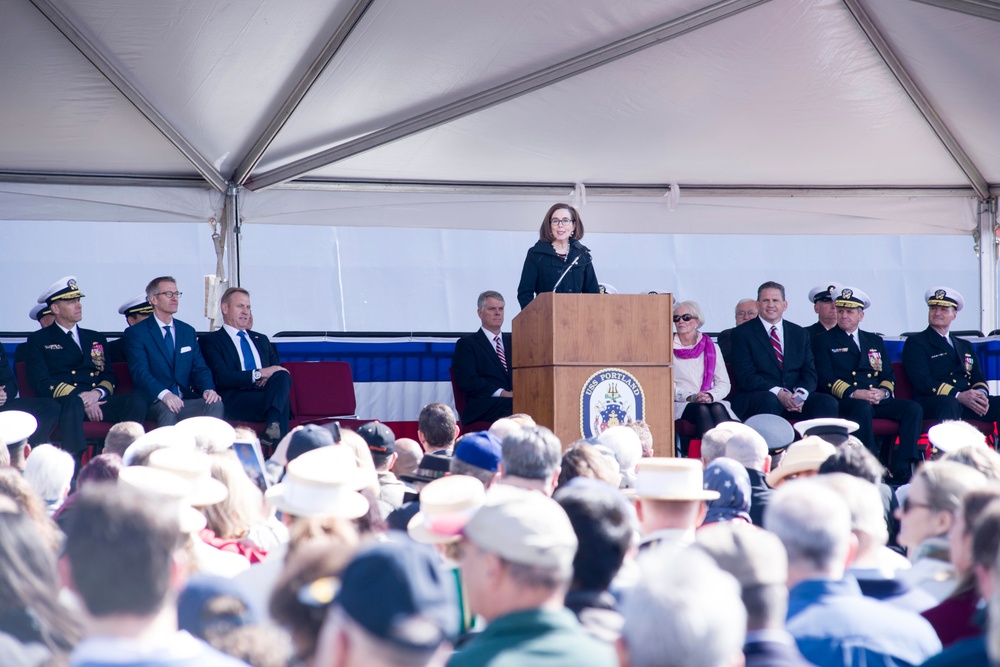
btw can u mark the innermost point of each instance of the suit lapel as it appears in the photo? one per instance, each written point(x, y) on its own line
point(262, 352)
point(158, 340)
point(764, 339)
point(487, 343)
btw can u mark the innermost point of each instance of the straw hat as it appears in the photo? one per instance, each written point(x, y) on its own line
point(194, 467)
point(210, 434)
point(446, 505)
point(802, 456)
point(165, 487)
point(671, 479)
point(165, 436)
point(322, 483)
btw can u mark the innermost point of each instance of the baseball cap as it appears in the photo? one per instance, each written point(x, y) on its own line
point(380, 439)
point(481, 449)
point(308, 438)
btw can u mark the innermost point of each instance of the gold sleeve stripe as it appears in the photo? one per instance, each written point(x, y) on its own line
point(107, 385)
point(839, 388)
point(888, 385)
point(981, 384)
point(63, 389)
point(944, 389)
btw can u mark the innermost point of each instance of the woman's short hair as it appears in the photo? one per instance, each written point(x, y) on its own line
point(694, 308)
point(545, 233)
point(947, 482)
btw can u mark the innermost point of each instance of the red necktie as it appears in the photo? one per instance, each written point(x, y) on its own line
point(503, 357)
point(776, 344)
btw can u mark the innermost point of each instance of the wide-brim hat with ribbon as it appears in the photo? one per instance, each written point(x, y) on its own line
point(805, 455)
point(323, 482)
point(446, 505)
point(826, 426)
point(671, 479)
point(210, 434)
point(64, 288)
point(196, 469)
point(164, 487)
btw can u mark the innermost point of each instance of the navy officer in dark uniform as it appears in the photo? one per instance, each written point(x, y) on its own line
point(135, 310)
point(44, 410)
point(853, 366)
point(947, 379)
point(69, 364)
point(42, 314)
point(822, 297)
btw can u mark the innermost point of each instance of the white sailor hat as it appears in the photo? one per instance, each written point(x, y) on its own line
point(137, 305)
point(944, 296)
point(851, 297)
point(824, 292)
point(16, 426)
point(39, 311)
point(64, 288)
point(826, 426)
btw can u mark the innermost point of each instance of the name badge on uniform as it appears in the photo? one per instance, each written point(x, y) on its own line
point(839, 349)
point(968, 364)
point(939, 354)
point(875, 359)
point(55, 346)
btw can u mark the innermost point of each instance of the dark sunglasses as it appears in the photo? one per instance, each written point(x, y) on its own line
point(686, 317)
point(909, 505)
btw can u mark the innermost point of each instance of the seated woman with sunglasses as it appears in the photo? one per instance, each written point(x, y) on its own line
point(700, 377)
point(558, 248)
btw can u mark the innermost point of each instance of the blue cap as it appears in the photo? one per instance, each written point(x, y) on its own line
point(397, 591)
point(310, 437)
point(481, 449)
point(202, 589)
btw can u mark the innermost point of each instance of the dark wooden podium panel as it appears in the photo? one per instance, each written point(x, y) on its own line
point(552, 396)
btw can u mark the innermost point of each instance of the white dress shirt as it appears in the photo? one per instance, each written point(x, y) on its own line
point(234, 334)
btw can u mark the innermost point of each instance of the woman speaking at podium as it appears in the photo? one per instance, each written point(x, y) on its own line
point(558, 262)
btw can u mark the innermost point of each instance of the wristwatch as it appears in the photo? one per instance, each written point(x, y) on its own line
point(256, 375)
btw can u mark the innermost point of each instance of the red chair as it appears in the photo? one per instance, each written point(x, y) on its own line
point(460, 402)
point(323, 391)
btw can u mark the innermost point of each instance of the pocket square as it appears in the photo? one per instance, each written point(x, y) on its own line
point(186, 348)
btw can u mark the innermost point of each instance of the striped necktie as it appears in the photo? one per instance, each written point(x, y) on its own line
point(503, 357)
point(776, 344)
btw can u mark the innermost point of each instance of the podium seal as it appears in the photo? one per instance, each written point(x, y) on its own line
point(610, 397)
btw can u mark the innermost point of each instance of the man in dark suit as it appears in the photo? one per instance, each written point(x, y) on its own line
point(853, 366)
point(246, 372)
point(947, 380)
point(135, 310)
point(67, 363)
point(746, 309)
point(772, 362)
point(165, 361)
point(481, 364)
point(822, 297)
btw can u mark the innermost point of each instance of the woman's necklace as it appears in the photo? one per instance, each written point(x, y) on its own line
point(561, 255)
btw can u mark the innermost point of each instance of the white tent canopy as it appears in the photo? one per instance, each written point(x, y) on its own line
point(766, 117)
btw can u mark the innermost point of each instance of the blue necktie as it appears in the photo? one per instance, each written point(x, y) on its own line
point(168, 338)
point(248, 362)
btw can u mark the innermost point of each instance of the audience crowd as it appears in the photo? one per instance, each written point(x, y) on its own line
point(184, 547)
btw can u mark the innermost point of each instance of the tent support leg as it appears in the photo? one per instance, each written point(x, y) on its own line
point(234, 231)
point(987, 242)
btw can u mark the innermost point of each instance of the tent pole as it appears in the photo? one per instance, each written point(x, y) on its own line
point(234, 230)
point(988, 242)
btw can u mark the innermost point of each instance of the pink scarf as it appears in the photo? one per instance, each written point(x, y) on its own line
point(707, 347)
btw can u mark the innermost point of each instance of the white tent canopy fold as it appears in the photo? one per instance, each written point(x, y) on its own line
point(785, 117)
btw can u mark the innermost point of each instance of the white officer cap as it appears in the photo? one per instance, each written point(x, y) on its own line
point(39, 311)
point(64, 288)
point(137, 305)
point(944, 296)
point(824, 292)
point(852, 297)
point(16, 426)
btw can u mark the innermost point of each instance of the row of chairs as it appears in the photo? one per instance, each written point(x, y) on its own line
point(321, 391)
point(883, 428)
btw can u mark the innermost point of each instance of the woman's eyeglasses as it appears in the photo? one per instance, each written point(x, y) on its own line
point(686, 317)
point(910, 504)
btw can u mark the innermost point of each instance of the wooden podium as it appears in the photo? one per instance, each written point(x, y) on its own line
point(578, 359)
